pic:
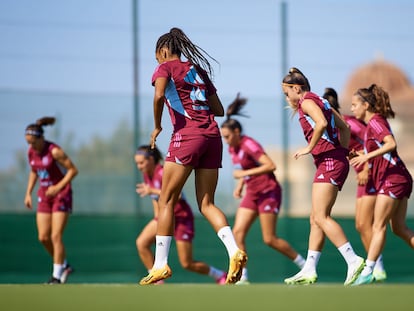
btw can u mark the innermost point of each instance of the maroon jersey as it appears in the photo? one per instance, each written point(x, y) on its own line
point(357, 128)
point(356, 141)
point(330, 138)
point(388, 168)
point(186, 97)
point(246, 156)
point(47, 169)
point(182, 208)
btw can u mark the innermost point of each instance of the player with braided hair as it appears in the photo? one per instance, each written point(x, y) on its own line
point(185, 87)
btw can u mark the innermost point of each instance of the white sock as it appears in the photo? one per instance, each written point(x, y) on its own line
point(162, 249)
point(215, 273)
point(348, 253)
point(226, 236)
point(369, 267)
point(379, 264)
point(299, 261)
point(311, 261)
point(57, 270)
point(65, 263)
point(245, 275)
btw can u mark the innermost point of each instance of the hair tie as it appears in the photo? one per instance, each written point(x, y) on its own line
point(33, 133)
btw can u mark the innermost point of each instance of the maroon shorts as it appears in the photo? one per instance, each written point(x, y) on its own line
point(396, 190)
point(184, 229)
point(361, 191)
point(62, 202)
point(367, 189)
point(268, 202)
point(333, 170)
point(197, 151)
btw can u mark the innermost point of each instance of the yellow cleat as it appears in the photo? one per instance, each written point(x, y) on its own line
point(156, 275)
point(237, 263)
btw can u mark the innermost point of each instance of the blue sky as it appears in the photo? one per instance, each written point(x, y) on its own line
point(77, 47)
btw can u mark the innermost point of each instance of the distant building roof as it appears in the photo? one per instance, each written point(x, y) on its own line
point(389, 77)
point(401, 93)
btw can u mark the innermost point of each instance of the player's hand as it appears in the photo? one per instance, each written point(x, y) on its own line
point(52, 191)
point(238, 174)
point(358, 160)
point(237, 193)
point(143, 189)
point(301, 152)
point(28, 201)
point(154, 136)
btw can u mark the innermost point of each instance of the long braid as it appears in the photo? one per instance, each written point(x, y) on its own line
point(178, 43)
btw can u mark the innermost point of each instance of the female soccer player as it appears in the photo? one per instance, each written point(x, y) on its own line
point(391, 181)
point(254, 171)
point(55, 171)
point(365, 202)
point(192, 100)
point(328, 138)
point(148, 162)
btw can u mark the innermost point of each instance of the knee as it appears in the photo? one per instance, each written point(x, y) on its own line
point(186, 264)
point(238, 234)
point(44, 239)
point(379, 228)
point(204, 206)
point(56, 238)
point(138, 243)
point(318, 221)
point(142, 243)
point(360, 226)
point(268, 240)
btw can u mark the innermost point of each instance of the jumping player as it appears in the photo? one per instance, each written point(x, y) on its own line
point(186, 89)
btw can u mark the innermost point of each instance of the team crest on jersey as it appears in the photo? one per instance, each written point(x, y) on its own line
point(45, 160)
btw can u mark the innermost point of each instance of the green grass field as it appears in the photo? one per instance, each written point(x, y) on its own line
point(200, 297)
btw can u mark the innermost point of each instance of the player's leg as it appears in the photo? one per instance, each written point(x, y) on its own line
point(399, 225)
point(206, 183)
point(59, 221)
point(144, 242)
point(243, 221)
point(173, 179)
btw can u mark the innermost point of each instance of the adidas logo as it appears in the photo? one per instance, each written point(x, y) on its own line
point(321, 176)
